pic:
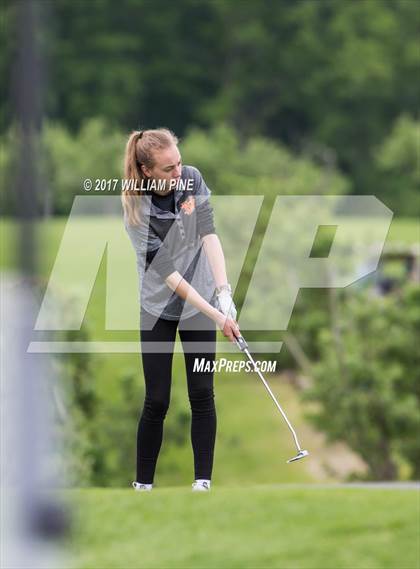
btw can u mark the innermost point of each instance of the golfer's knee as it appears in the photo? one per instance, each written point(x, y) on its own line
point(202, 400)
point(155, 409)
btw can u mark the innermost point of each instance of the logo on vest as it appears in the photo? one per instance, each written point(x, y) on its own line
point(188, 206)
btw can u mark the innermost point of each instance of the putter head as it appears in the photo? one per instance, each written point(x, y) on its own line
point(300, 454)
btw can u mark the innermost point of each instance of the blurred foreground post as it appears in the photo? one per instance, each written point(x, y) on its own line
point(31, 521)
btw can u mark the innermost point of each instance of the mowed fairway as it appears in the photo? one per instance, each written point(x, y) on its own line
point(246, 526)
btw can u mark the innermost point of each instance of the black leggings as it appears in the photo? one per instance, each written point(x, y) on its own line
point(158, 375)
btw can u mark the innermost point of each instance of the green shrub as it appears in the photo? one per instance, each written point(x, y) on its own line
point(367, 380)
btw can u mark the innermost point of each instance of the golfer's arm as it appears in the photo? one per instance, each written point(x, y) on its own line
point(182, 288)
point(214, 252)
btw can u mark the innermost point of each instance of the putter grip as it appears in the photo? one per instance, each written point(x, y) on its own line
point(241, 343)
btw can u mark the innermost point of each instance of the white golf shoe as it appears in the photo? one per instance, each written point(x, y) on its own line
point(201, 486)
point(138, 487)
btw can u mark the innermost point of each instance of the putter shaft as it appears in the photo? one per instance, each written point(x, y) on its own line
point(243, 346)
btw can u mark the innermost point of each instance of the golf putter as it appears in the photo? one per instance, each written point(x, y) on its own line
point(243, 346)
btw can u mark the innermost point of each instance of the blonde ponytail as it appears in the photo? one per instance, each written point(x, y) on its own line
point(132, 171)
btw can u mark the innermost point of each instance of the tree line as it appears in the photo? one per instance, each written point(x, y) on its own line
point(332, 80)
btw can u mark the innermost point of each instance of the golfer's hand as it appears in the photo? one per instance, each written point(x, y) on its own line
point(229, 327)
point(226, 304)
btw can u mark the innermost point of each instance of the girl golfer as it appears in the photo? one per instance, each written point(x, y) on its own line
point(184, 287)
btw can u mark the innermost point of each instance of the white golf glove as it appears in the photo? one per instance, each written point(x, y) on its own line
point(225, 301)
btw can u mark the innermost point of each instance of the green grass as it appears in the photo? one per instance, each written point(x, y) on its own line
point(246, 527)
